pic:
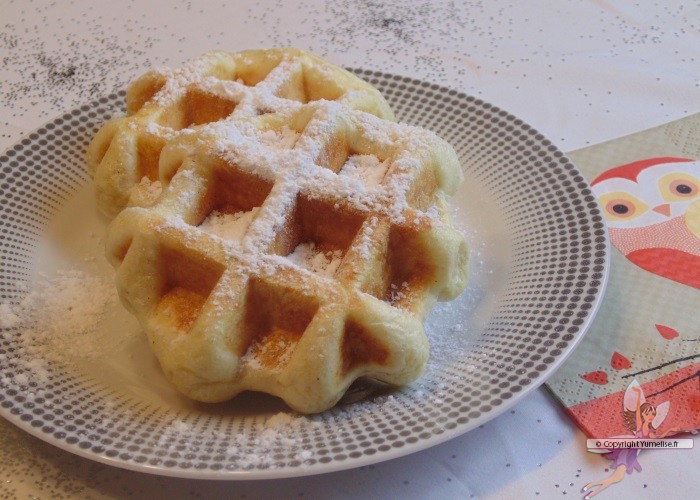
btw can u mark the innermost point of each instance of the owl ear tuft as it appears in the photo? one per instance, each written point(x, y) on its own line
point(631, 171)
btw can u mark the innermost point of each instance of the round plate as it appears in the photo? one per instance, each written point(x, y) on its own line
point(76, 371)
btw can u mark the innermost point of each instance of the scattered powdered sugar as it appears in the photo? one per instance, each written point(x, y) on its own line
point(283, 349)
point(8, 317)
point(157, 131)
point(145, 193)
point(284, 138)
point(398, 292)
point(253, 448)
point(72, 303)
point(58, 321)
point(366, 168)
point(190, 187)
point(280, 421)
point(433, 212)
point(309, 257)
point(364, 242)
point(231, 227)
point(179, 80)
point(151, 188)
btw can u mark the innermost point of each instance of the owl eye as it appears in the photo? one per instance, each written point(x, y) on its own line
point(684, 188)
point(620, 208)
point(679, 186)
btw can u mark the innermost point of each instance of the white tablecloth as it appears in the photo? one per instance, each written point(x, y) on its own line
point(580, 72)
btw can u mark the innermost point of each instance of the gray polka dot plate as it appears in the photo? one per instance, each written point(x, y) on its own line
point(76, 371)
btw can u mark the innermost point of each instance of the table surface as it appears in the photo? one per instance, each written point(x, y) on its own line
point(581, 72)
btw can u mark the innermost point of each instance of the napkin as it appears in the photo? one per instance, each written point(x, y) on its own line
point(647, 330)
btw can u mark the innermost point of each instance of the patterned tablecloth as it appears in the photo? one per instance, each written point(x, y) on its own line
point(582, 73)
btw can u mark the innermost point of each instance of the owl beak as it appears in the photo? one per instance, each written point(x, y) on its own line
point(663, 209)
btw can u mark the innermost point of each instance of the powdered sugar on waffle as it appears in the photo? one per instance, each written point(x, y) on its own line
point(328, 181)
point(363, 245)
point(367, 168)
point(151, 189)
point(178, 81)
point(285, 138)
point(364, 184)
point(286, 157)
point(230, 227)
point(306, 255)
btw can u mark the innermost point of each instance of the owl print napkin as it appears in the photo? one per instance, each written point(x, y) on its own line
point(647, 330)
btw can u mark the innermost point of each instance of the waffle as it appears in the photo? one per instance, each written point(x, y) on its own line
point(289, 251)
point(165, 104)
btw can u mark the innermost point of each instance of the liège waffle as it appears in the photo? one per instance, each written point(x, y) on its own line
point(282, 234)
point(165, 104)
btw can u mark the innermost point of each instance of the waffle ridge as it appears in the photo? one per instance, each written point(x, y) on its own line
point(290, 246)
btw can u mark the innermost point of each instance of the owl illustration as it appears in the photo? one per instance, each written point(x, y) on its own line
point(652, 208)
